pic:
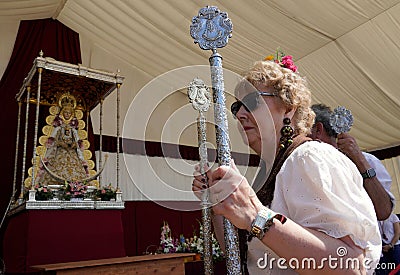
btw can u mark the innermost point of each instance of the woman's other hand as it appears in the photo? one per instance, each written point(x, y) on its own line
point(200, 182)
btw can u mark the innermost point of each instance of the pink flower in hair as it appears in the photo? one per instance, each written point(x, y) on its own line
point(285, 61)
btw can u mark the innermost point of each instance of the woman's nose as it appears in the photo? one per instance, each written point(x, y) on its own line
point(242, 113)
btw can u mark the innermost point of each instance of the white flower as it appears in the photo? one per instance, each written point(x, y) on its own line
point(194, 244)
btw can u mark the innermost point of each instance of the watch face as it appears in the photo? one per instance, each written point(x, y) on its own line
point(371, 172)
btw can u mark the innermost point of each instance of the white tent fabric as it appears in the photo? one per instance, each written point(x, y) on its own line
point(347, 49)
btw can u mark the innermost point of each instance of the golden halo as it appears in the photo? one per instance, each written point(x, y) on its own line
point(67, 98)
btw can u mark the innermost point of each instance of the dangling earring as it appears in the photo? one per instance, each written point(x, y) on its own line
point(287, 134)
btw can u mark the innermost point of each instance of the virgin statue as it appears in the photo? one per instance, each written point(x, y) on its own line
point(63, 158)
point(63, 155)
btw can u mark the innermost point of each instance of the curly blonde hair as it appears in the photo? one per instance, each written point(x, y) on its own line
point(290, 87)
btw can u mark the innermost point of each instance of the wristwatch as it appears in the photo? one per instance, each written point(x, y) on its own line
point(262, 222)
point(370, 173)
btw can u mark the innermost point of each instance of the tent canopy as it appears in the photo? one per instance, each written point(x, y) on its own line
point(347, 50)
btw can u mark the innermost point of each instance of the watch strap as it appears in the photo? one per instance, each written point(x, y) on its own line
point(370, 173)
point(263, 222)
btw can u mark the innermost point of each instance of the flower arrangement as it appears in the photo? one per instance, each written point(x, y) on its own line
point(167, 244)
point(105, 193)
point(285, 61)
point(43, 193)
point(73, 190)
point(187, 245)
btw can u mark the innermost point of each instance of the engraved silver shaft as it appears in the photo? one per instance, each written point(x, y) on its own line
point(211, 29)
point(205, 203)
point(232, 252)
point(199, 96)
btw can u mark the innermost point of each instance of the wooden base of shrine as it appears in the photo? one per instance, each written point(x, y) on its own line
point(160, 264)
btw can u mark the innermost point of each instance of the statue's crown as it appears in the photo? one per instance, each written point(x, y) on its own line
point(67, 101)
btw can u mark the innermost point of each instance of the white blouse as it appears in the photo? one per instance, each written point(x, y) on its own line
point(319, 187)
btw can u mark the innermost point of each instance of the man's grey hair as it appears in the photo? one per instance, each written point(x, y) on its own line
point(323, 114)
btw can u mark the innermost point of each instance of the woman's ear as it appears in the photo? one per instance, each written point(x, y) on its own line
point(290, 112)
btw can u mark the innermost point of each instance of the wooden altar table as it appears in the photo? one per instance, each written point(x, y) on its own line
point(160, 264)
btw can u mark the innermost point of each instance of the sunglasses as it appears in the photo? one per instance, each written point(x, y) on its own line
point(249, 102)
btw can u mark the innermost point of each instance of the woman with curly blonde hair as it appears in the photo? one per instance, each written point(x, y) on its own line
point(307, 211)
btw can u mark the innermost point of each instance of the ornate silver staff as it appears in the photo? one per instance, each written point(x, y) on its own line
point(341, 120)
point(211, 29)
point(200, 98)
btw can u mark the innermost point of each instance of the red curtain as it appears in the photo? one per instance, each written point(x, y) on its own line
point(56, 41)
point(36, 237)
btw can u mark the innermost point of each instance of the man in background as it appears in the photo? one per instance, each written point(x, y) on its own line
point(377, 180)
